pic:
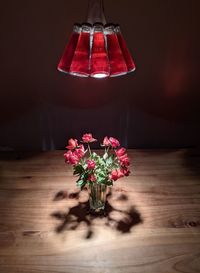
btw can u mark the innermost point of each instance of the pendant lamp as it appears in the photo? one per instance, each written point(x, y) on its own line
point(96, 49)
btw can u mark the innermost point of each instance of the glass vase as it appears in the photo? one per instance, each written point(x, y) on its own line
point(97, 197)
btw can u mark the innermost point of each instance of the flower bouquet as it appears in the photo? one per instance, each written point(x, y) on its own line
point(95, 171)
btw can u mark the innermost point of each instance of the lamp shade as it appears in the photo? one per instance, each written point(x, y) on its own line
point(66, 60)
point(117, 62)
point(99, 58)
point(80, 62)
point(127, 56)
point(96, 51)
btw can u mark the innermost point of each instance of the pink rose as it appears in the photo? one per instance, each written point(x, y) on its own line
point(92, 178)
point(80, 152)
point(88, 138)
point(72, 144)
point(67, 156)
point(106, 142)
point(124, 160)
point(120, 152)
point(114, 142)
point(91, 164)
point(71, 158)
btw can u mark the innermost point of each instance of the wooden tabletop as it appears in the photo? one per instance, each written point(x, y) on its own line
point(152, 221)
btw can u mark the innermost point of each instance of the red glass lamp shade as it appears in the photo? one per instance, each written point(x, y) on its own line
point(80, 61)
point(66, 60)
point(99, 59)
point(127, 56)
point(117, 62)
point(96, 51)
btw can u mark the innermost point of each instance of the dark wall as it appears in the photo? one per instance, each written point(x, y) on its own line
point(157, 106)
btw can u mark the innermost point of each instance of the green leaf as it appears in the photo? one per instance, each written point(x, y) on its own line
point(81, 183)
point(104, 181)
point(109, 183)
point(100, 162)
point(84, 176)
point(78, 169)
point(102, 177)
point(109, 161)
point(94, 155)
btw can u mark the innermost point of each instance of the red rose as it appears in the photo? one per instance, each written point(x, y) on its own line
point(114, 142)
point(114, 175)
point(92, 178)
point(80, 152)
point(126, 171)
point(88, 138)
point(120, 173)
point(106, 142)
point(120, 152)
point(72, 144)
point(91, 164)
point(124, 160)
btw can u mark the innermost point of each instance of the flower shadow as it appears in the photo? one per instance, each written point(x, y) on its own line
point(80, 213)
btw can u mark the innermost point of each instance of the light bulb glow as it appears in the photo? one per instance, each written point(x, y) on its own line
point(99, 76)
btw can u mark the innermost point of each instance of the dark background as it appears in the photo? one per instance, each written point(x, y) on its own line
point(158, 106)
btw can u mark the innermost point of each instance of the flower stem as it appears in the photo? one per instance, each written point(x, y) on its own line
point(107, 149)
point(89, 149)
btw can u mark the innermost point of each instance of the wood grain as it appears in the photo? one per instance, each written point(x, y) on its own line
point(152, 222)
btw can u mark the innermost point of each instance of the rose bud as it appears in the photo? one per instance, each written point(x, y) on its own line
point(88, 138)
point(106, 142)
point(72, 144)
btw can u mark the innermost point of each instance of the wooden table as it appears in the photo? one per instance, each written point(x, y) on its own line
point(152, 223)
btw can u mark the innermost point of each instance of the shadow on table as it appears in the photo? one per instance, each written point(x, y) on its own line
point(80, 213)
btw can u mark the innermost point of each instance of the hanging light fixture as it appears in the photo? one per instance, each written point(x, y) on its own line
point(96, 49)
